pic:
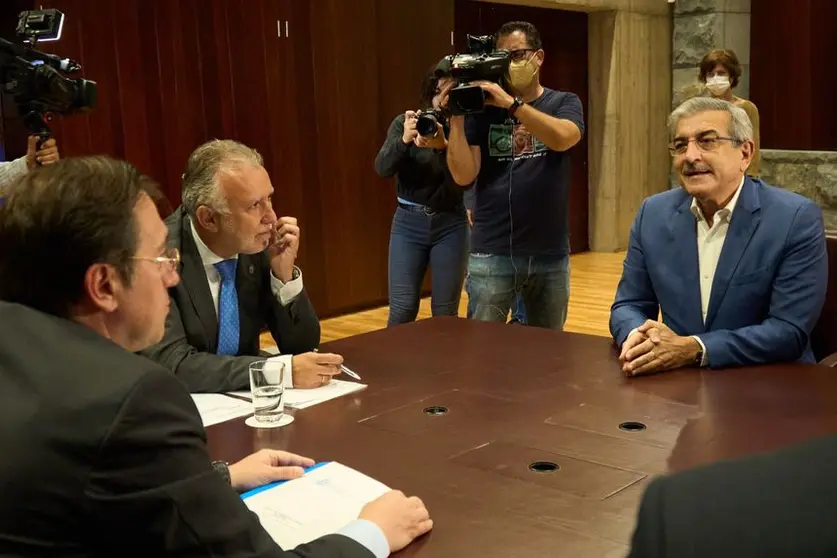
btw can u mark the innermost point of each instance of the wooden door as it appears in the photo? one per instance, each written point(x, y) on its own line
point(564, 37)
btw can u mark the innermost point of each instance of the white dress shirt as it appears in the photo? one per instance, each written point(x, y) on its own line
point(11, 171)
point(710, 242)
point(284, 292)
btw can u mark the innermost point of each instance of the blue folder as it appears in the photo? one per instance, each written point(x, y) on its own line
point(277, 483)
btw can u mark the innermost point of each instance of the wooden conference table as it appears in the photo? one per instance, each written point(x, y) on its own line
point(515, 396)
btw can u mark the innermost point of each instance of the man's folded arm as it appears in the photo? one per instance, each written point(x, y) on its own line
point(153, 486)
point(635, 299)
point(201, 372)
point(290, 316)
point(796, 300)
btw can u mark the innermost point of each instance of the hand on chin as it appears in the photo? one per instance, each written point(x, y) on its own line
point(262, 242)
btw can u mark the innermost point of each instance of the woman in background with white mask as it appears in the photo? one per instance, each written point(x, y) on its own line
point(720, 71)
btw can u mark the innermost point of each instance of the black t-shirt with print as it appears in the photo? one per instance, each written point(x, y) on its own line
point(521, 204)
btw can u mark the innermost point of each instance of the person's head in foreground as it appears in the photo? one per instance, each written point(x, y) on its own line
point(82, 240)
point(227, 193)
point(711, 147)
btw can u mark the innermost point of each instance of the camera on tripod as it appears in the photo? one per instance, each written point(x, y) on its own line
point(37, 80)
point(482, 62)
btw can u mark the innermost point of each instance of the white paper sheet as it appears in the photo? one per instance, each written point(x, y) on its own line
point(319, 503)
point(217, 407)
point(304, 398)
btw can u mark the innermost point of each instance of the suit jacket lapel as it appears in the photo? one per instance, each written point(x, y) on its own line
point(683, 245)
point(743, 223)
point(247, 283)
point(194, 282)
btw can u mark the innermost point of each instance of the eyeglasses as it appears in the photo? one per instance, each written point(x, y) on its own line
point(167, 263)
point(520, 53)
point(705, 143)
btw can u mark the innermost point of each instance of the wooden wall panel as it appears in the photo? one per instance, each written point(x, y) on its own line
point(564, 37)
point(374, 69)
point(346, 130)
point(823, 77)
point(293, 123)
point(312, 85)
point(422, 32)
point(131, 65)
point(792, 80)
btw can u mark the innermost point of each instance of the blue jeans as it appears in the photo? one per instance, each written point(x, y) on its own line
point(518, 310)
point(418, 240)
point(543, 283)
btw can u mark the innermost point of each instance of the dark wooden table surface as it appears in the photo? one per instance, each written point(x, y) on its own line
point(517, 395)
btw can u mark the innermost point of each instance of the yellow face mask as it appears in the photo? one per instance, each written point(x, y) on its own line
point(522, 72)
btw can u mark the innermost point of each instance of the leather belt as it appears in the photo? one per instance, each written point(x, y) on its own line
point(417, 208)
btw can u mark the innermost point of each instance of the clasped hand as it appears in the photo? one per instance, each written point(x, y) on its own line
point(654, 347)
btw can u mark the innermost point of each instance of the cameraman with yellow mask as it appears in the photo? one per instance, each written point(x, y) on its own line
point(516, 150)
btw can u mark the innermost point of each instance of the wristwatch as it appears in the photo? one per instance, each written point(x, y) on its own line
point(223, 469)
point(699, 358)
point(515, 105)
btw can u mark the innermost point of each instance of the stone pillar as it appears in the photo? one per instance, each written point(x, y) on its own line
point(629, 103)
point(703, 25)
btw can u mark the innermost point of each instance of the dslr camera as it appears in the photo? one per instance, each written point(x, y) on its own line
point(481, 62)
point(37, 81)
point(426, 124)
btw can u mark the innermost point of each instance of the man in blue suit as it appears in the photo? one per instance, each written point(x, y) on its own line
point(737, 267)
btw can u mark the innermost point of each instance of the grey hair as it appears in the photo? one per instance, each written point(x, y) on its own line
point(200, 181)
point(740, 129)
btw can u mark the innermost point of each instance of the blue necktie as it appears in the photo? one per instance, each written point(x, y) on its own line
point(228, 331)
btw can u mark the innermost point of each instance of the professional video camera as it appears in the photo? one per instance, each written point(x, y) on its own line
point(34, 79)
point(481, 62)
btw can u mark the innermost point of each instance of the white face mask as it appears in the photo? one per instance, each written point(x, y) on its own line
point(717, 84)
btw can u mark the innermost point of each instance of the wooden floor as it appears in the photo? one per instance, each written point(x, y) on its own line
point(593, 280)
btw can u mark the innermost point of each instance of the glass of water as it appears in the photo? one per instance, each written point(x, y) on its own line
point(267, 389)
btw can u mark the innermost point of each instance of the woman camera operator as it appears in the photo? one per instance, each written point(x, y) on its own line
point(429, 227)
